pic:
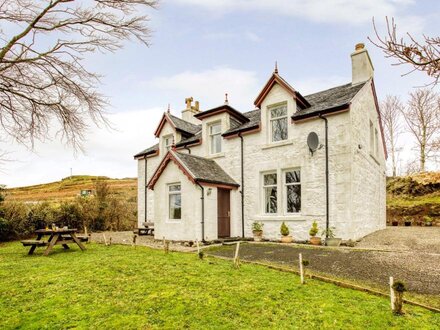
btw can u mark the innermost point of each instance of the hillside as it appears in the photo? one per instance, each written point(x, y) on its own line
point(70, 187)
point(414, 196)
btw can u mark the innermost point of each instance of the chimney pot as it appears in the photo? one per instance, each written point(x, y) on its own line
point(359, 46)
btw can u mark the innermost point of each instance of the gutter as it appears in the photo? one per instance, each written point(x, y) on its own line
point(242, 185)
point(187, 148)
point(202, 198)
point(326, 176)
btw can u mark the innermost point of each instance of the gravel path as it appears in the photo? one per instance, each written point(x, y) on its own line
point(420, 271)
point(423, 239)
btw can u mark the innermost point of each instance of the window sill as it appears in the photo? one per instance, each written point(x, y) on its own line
point(277, 144)
point(219, 155)
point(290, 217)
point(173, 221)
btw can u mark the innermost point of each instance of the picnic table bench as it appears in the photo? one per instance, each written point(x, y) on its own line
point(147, 229)
point(56, 237)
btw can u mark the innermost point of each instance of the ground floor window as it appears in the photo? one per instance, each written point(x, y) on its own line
point(292, 191)
point(175, 202)
point(270, 192)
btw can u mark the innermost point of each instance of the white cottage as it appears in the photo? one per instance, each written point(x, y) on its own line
point(215, 172)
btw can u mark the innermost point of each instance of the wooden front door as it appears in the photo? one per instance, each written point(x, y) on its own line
point(224, 213)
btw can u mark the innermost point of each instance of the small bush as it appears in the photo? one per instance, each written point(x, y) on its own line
point(305, 263)
point(314, 230)
point(399, 286)
point(257, 226)
point(284, 229)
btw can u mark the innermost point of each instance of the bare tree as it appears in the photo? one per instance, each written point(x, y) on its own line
point(421, 55)
point(43, 80)
point(391, 110)
point(423, 120)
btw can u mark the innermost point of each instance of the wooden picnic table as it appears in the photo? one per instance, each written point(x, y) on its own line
point(56, 237)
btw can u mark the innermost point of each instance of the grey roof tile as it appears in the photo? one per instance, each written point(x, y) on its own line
point(206, 170)
point(184, 125)
point(148, 151)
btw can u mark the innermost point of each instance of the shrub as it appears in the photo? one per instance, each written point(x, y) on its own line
point(329, 232)
point(305, 263)
point(284, 229)
point(399, 286)
point(314, 230)
point(257, 226)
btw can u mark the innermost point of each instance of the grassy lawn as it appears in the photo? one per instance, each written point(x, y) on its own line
point(121, 287)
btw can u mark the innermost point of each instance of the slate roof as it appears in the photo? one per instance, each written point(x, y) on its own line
point(205, 170)
point(329, 99)
point(148, 151)
point(185, 126)
point(325, 101)
point(254, 122)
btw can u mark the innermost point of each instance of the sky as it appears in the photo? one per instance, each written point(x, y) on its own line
point(205, 49)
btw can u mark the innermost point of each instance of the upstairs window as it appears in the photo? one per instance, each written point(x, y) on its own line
point(215, 138)
point(270, 193)
point(174, 202)
point(278, 123)
point(168, 142)
point(292, 191)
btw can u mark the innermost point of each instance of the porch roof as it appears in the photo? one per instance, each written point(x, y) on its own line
point(198, 170)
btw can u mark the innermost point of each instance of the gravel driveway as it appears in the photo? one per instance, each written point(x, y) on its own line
point(408, 254)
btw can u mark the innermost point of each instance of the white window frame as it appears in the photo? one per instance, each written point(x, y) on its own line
point(285, 185)
point(167, 146)
point(263, 190)
point(212, 136)
point(270, 119)
point(169, 194)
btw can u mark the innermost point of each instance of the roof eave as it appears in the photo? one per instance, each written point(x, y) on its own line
point(333, 110)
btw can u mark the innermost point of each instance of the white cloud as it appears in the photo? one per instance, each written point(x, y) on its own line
point(107, 152)
point(248, 35)
point(329, 11)
point(315, 84)
point(210, 86)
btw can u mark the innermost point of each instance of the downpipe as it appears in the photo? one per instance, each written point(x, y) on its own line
point(242, 185)
point(202, 198)
point(326, 178)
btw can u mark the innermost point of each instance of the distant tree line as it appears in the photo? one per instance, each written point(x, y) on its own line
point(98, 213)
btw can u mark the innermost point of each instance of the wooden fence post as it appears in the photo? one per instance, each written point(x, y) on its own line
point(198, 246)
point(166, 245)
point(301, 268)
point(110, 241)
point(236, 257)
point(134, 240)
point(392, 295)
point(105, 239)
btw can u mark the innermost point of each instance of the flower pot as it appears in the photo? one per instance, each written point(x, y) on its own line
point(315, 240)
point(258, 235)
point(286, 239)
point(395, 223)
point(333, 241)
point(428, 224)
point(407, 223)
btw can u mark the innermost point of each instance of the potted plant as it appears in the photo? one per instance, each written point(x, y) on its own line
point(408, 221)
point(257, 230)
point(285, 237)
point(428, 221)
point(330, 239)
point(395, 222)
point(314, 240)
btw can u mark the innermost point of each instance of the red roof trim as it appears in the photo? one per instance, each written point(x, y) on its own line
point(219, 185)
point(163, 164)
point(380, 119)
point(162, 122)
point(275, 78)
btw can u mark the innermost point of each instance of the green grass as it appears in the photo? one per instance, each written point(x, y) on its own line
point(408, 201)
point(121, 287)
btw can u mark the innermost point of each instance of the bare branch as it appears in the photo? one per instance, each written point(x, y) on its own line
point(422, 56)
point(41, 86)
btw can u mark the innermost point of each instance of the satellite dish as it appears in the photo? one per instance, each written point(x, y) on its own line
point(313, 141)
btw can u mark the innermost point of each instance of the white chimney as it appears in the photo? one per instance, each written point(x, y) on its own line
point(190, 111)
point(361, 66)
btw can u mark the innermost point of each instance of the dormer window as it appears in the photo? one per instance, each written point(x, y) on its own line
point(215, 138)
point(168, 142)
point(278, 123)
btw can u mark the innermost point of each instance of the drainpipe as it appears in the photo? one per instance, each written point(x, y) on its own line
point(242, 186)
point(146, 190)
point(202, 198)
point(326, 176)
point(186, 147)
